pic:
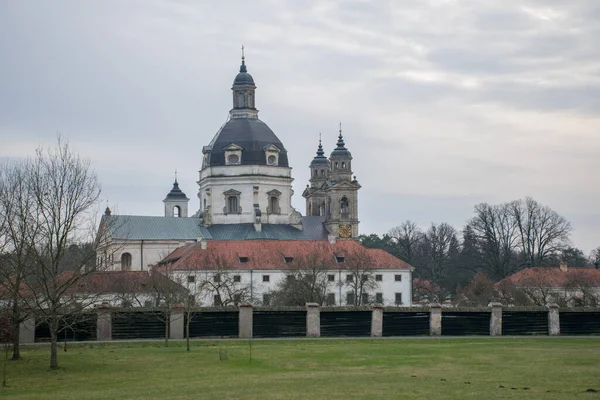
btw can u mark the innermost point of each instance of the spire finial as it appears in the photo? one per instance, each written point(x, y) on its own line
point(243, 66)
point(340, 128)
point(175, 175)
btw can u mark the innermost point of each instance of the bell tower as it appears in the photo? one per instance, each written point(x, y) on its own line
point(176, 202)
point(342, 193)
point(319, 173)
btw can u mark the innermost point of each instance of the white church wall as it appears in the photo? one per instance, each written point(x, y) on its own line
point(254, 281)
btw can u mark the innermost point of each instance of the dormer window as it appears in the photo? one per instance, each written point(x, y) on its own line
point(340, 259)
point(288, 260)
point(272, 155)
point(233, 154)
point(243, 260)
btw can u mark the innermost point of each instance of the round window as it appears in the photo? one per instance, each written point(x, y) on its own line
point(272, 160)
point(233, 159)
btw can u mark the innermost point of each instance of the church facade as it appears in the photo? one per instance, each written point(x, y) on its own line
point(245, 194)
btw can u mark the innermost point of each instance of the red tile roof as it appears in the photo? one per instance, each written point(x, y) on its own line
point(269, 254)
point(554, 277)
point(120, 282)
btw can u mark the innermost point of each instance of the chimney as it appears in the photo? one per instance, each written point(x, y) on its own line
point(202, 242)
point(563, 266)
point(331, 239)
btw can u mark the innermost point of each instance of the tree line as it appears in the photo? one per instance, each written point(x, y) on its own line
point(496, 242)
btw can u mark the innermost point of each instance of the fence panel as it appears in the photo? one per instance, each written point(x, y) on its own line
point(278, 323)
point(580, 323)
point(80, 328)
point(138, 325)
point(346, 323)
point(465, 323)
point(524, 323)
point(405, 324)
point(213, 324)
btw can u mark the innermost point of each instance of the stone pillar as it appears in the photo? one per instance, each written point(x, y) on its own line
point(104, 324)
point(313, 320)
point(245, 321)
point(435, 320)
point(176, 324)
point(496, 319)
point(377, 321)
point(553, 320)
point(27, 331)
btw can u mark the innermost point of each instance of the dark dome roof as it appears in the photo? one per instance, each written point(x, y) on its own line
point(341, 150)
point(252, 135)
point(243, 78)
point(320, 159)
point(176, 193)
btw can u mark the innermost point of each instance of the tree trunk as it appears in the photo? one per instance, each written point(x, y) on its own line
point(187, 332)
point(167, 323)
point(53, 343)
point(6, 351)
point(16, 321)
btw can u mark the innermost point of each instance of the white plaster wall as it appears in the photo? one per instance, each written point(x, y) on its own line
point(143, 253)
point(243, 179)
point(254, 278)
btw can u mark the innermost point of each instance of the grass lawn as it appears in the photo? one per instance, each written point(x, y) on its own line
point(314, 369)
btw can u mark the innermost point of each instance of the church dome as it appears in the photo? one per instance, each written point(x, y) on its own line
point(253, 136)
point(243, 78)
point(320, 158)
point(176, 193)
point(341, 150)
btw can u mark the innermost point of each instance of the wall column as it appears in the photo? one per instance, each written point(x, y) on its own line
point(245, 321)
point(496, 319)
point(176, 324)
point(104, 324)
point(27, 331)
point(377, 321)
point(435, 320)
point(313, 320)
point(553, 319)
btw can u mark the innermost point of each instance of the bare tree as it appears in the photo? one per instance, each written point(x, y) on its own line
point(65, 193)
point(17, 230)
point(407, 239)
point(595, 257)
point(306, 279)
point(543, 232)
point(360, 266)
point(495, 236)
point(440, 251)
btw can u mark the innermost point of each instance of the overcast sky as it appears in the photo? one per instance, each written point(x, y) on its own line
point(444, 103)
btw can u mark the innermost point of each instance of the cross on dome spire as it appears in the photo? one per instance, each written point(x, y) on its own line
point(243, 66)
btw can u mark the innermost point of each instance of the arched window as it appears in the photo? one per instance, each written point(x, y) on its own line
point(343, 164)
point(125, 262)
point(322, 209)
point(274, 204)
point(316, 173)
point(232, 204)
point(177, 211)
point(344, 207)
point(322, 172)
point(240, 100)
point(204, 203)
point(336, 164)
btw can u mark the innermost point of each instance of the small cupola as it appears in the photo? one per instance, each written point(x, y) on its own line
point(176, 202)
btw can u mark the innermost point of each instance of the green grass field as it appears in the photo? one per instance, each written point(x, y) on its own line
point(314, 369)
